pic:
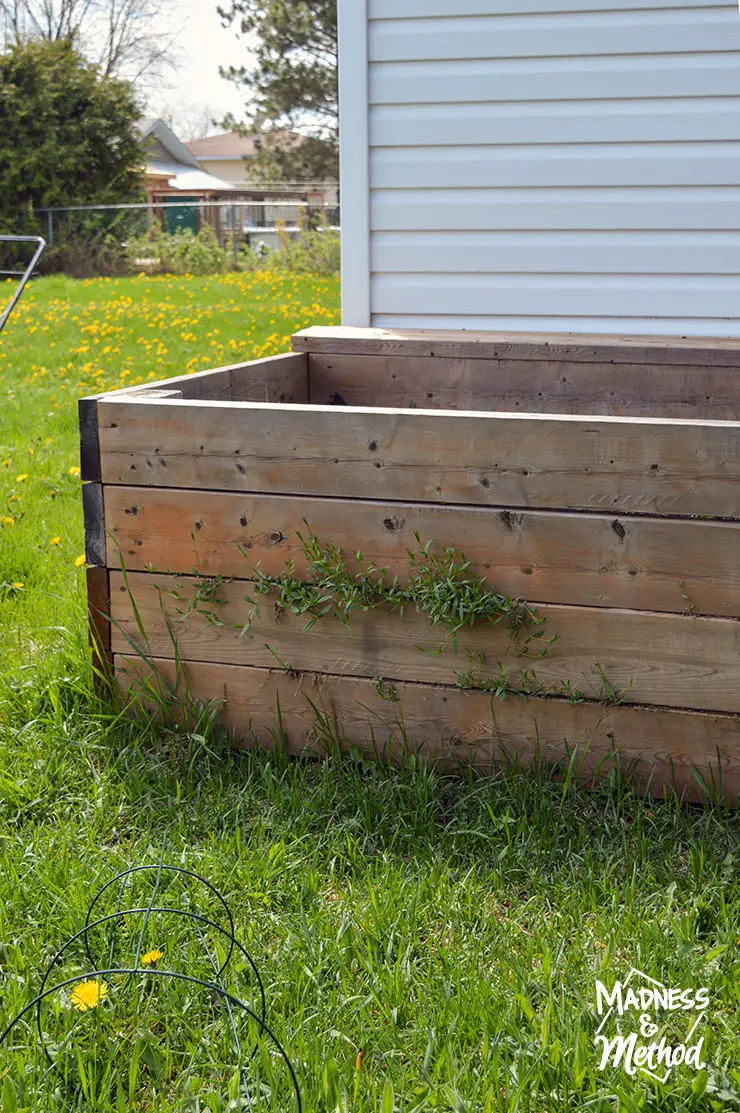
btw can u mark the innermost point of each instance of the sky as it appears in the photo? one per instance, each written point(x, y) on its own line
point(203, 46)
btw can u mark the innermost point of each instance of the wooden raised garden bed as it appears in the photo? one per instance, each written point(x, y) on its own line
point(597, 478)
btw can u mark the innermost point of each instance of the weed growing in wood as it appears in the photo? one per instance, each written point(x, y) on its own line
point(439, 586)
point(502, 684)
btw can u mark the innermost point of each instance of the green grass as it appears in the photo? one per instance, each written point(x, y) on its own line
point(451, 928)
point(69, 338)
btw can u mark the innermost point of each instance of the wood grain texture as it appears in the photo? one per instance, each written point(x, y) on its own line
point(657, 659)
point(98, 608)
point(94, 516)
point(282, 378)
point(560, 347)
point(635, 465)
point(527, 386)
point(455, 728)
point(87, 411)
point(547, 557)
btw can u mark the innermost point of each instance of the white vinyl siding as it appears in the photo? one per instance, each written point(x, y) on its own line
point(530, 166)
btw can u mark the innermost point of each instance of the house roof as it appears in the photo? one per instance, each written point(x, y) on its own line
point(233, 145)
point(197, 180)
point(151, 127)
point(181, 169)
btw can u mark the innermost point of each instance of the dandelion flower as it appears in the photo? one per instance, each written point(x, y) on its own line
point(18, 585)
point(88, 995)
point(80, 560)
point(20, 478)
point(74, 471)
point(150, 958)
point(55, 541)
point(8, 521)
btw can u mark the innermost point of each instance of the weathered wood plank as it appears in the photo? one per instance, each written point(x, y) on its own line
point(87, 410)
point(546, 557)
point(94, 517)
point(658, 659)
point(527, 386)
point(273, 379)
point(281, 378)
point(457, 728)
point(635, 465)
point(98, 608)
point(560, 347)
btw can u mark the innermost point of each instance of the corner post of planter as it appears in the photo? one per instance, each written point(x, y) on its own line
point(98, 578)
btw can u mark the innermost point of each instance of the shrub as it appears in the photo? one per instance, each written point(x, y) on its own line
point(86, 244)
point(309, 252)
point(181, 253)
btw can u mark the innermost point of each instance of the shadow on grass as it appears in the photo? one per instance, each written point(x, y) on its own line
point(450, 926)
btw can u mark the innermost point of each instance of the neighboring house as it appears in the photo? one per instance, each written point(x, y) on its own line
point(174, 174)
point(540, 165)
point(228, 156)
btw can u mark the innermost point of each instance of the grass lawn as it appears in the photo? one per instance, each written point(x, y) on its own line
point(449, 929)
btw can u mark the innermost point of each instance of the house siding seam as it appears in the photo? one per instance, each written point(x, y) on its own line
point(538, 168)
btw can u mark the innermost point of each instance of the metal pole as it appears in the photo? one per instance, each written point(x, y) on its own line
point(51, 227)
point(40, 245)
point(233, 233)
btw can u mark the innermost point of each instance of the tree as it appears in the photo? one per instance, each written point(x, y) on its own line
point(291, 87)
point(130, 39)
point(68, 133)
point(188, 120)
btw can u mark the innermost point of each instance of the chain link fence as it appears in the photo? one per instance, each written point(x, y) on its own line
point(119, 239)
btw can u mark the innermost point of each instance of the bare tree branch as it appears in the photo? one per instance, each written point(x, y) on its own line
point(131, 39)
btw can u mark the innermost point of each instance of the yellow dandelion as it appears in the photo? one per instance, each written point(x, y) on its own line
point(20, 478)
point(74, 471)
point(88, 995)
point(18, 585)
point(150, 958)
point(80, 560)
point(55, 540)
point(7, 521)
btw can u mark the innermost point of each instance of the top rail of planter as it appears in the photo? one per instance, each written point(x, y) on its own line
point(556, 347)
point(253, 428)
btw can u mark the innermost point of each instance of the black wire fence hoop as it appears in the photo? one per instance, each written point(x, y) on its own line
point(186, 914)
point(216, 986)
point(160, 869)
point(213, 987)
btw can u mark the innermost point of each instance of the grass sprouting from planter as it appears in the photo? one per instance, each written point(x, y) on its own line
point(439, 586)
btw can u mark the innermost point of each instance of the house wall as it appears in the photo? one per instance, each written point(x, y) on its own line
point(236, 171)
point(229, 170)
point(517, 164)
